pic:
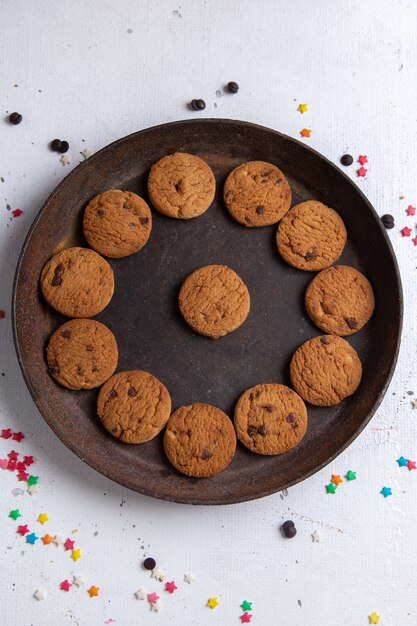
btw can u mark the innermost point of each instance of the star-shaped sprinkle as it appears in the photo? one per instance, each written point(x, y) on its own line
point(47, 539)
point(158, 573)
point(13, 455)
point(331, 488)
point(406, 232)
point(303, 108)
point(4, 463)
point(411, 210)
point(189, 578)
point(79, 580)
point(22, 476)
point(361, 172)
point(411, 465)
point(32, 489)
point(152, 597)
point(141, 594)
point(170, 586)
point(40, 594)
point(93, 591)
point(363, 159)
point(246, 606)
point(386, 491)
point(374, 618)
point(28, 460)
point(6, 433)
point(15, 514)
point(156, 606)
point(65, 585)
point(336, 479)
point(76, 554)
point(306, 132)
point(402, 462)
point(69, 544)
point(59, 540)
point(11, 465)
point(32, 538)
point(18, 437)
point(351, 475)
point(213, 602)
point(245, 618)
point(22, 530)
point(414, 240)
point(316, 537)
point(17, 212)
point(21, 467)
point(33, 480)
point(43, 518)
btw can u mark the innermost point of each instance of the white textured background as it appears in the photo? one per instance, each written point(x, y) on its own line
point(75, 71)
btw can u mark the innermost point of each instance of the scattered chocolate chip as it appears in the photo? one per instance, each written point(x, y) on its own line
point(206, 454)
point(232, 87)
point(266, 173)
point(113, 394)
point(89, 348)
point(279, 181)
point(198, 105)
point(100, 213)
point(95, 368)
point(144, 220)
point(55, 145)
point(268, 407)
point(247, 220)
point(15, 118)
point(262, 431)
point(53, 370)
point(59, 269)
point(289, 529)
point(80, 371)
point(252, 430)
point(324, 341)
point(310, 256)
point(388, 221)
point(260, 209)
point(227, 194)
point(149, 563)
point(57, 280)
point(351, 322)
point(127, 205)
point(251, 396)
point(290, 418)
point(66, 334)
point(347, 159)
point(132, 392)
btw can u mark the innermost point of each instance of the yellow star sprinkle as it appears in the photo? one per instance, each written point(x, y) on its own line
point(374, 618)
point(76, 554)
point(303, 108)
point(43, 517)
point(213, 602)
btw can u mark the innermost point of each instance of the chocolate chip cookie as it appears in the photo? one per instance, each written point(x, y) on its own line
point(77, 282)
point(199, 440)
point(270, 419)
point(325, 370)
point(133, 406)
point(340, 300)
point(117, 223)
point(181, 185)
point(214, 300)
point(257, 194)
point(82, 354)
point(311, 236)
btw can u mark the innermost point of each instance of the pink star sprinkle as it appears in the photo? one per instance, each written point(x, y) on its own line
point(22, 475)
point(406, 232)
point(411, 465)
point(411, 210)
point(22, 530)
point(362, 171)
point(170, 586)
point(69, 544)
point(246, 617)
point(6, 433)
point(28, 460)
point(153, 598)
point(363, 159)
point(4, 463)
point(13, 455)
point(65, 585)
point(18, 437)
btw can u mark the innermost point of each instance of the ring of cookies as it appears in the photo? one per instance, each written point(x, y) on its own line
point(134, 406)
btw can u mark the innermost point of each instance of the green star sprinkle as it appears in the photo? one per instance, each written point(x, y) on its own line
point(15, 514)
point(246, 606)
point(33, 480)
point(351, 475)
point(331, 488)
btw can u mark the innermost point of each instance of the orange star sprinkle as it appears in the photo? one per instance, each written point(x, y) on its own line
point(336, 479)
point(306, 132)
point(93, 591)
point(47, 539)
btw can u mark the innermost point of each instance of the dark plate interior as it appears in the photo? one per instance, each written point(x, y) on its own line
point(152, 336)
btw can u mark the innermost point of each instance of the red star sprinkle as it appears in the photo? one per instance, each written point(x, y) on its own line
point(22, 476)
point(6, 433)
point(22, 530)
point(153, 598)
point(411, 465)
point(13, 455)
point(69, 544)
point(4, 463)
point(12, 465)
point(17, 212)
point(414, 241)
point(246, 617)
point(363, 159)
point(362, 171)
point(28, 460)
point(411, 210)
point(20, 466)
point(65, 585)
point(18, 437)
point(406, 232)
point(170, 586)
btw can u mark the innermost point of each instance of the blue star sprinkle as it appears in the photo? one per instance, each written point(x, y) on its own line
point(386, 491)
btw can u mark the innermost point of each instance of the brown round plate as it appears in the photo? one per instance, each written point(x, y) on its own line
point(151, 334)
